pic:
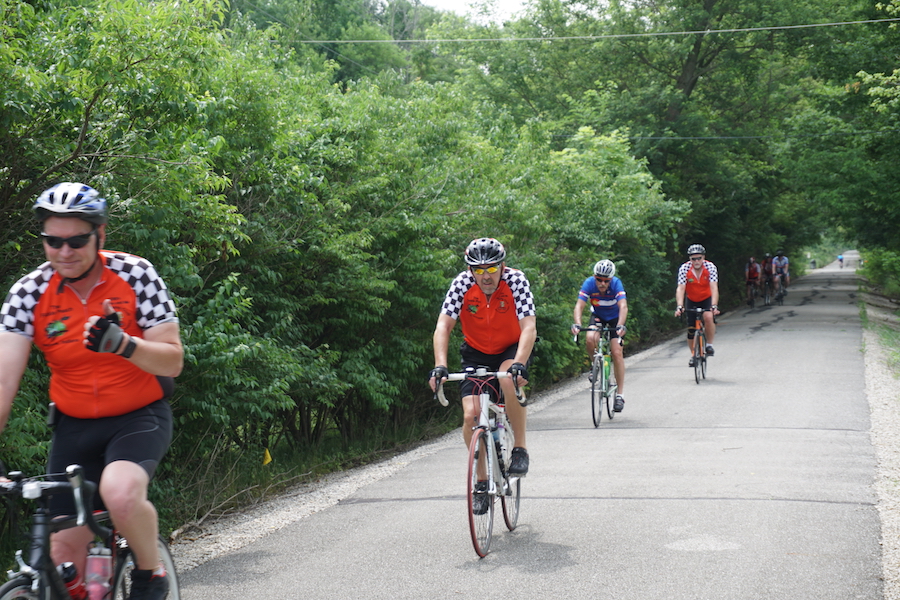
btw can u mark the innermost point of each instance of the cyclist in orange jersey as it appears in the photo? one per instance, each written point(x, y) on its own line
point(698, 279)
point(107, 327)
point(495, 306)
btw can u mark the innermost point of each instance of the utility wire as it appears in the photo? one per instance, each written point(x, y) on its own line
point(603, 36)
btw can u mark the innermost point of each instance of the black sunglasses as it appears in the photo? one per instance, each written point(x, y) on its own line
point(75, 242)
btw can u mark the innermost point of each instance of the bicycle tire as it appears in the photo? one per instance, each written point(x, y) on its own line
point(596, 390)
point(18, 589)
point(512, 495)
point(768, 294)
point(481, 526)
point(698, 355)
point(609, 396)
point(125, 565)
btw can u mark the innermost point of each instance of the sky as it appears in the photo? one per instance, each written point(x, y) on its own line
point(504, 8)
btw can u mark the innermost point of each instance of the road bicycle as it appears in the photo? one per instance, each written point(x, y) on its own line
point(780, 290)
point(490, 452)
point(603, 380)
point(767, 291)
point(38, 578)
point(752, 294)
point(699, 354)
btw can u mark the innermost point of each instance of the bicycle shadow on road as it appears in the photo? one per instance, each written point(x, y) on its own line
point(523, 551)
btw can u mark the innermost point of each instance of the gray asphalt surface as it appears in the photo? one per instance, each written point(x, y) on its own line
point(754, 484)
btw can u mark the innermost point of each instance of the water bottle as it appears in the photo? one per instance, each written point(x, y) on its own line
point(606, 368)
point(98, 572)
point(73, 580)
point(493, 424)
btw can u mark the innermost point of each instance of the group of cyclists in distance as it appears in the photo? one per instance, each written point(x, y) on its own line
point(107, 326)
point(494, 304)
point(774, 270)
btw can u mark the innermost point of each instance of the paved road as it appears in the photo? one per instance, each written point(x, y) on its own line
point(755, 484)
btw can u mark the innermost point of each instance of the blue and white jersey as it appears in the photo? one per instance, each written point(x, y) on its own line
point(605, 305)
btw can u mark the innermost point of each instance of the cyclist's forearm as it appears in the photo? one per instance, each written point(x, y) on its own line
point(623, 313)
point(160, 351)
point(14, 349)
point(441, 339)
point(527, 338)
point(578, 311)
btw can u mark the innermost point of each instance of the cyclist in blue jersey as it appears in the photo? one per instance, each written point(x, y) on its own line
point(782, 269)
point(609, 307)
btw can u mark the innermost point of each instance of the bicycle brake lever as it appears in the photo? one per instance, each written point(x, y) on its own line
point(75, 475)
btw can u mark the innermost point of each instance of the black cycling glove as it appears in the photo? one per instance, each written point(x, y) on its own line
point(439, 372)
point(518, 370)
point(105, 335)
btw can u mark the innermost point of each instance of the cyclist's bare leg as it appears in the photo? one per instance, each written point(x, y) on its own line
point(517, 415)
point(618, 357)
point(710, 326)
point(591, 340)
point(471, 414)
point(70, 545)
point(123, 487)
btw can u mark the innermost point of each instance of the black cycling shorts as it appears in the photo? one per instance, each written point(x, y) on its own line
point(474, 358)
point(689, 304)
point(141, 436)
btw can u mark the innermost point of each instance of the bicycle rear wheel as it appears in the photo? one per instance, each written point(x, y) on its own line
point(510, 501)
point(479, 499)
point(125, 565)
point(596, 390)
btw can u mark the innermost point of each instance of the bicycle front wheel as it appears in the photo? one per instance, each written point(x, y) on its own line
point(512, 494)
point(19, 589)
point(125, 565)
point(479, 499)
point(609, 391)
point(699, 356)
point(596, 391)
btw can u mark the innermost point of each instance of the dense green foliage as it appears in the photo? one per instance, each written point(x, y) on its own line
point(308, 204)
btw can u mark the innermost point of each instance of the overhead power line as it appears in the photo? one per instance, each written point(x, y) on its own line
point(603, 36)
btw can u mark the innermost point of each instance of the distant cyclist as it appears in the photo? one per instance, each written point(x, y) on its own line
point(752, 272)
point(609, 307)
point(698, 279)
point(781, 270)
point(767, 271)
point(841, 260)
point(494, 304)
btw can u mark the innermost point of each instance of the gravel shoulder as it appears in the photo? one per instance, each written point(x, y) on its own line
point(882, 390)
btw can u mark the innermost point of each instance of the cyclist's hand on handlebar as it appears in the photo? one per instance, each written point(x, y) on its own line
point(103, 334)
point(576, 329)
point(437, 375)
point(519, 372)
point(679, 311)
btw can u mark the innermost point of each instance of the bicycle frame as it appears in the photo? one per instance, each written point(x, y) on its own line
point(38, 577)
point(40, 569)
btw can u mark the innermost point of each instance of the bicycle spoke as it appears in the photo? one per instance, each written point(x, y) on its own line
point(510, 501)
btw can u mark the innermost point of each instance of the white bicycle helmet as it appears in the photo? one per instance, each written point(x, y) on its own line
point(71, 200)
point(604, 268)
point(696, 249)
point(485, 251)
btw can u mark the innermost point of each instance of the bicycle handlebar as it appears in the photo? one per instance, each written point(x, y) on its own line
point(478, 372)
point(82, 490)
point(604, 329)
